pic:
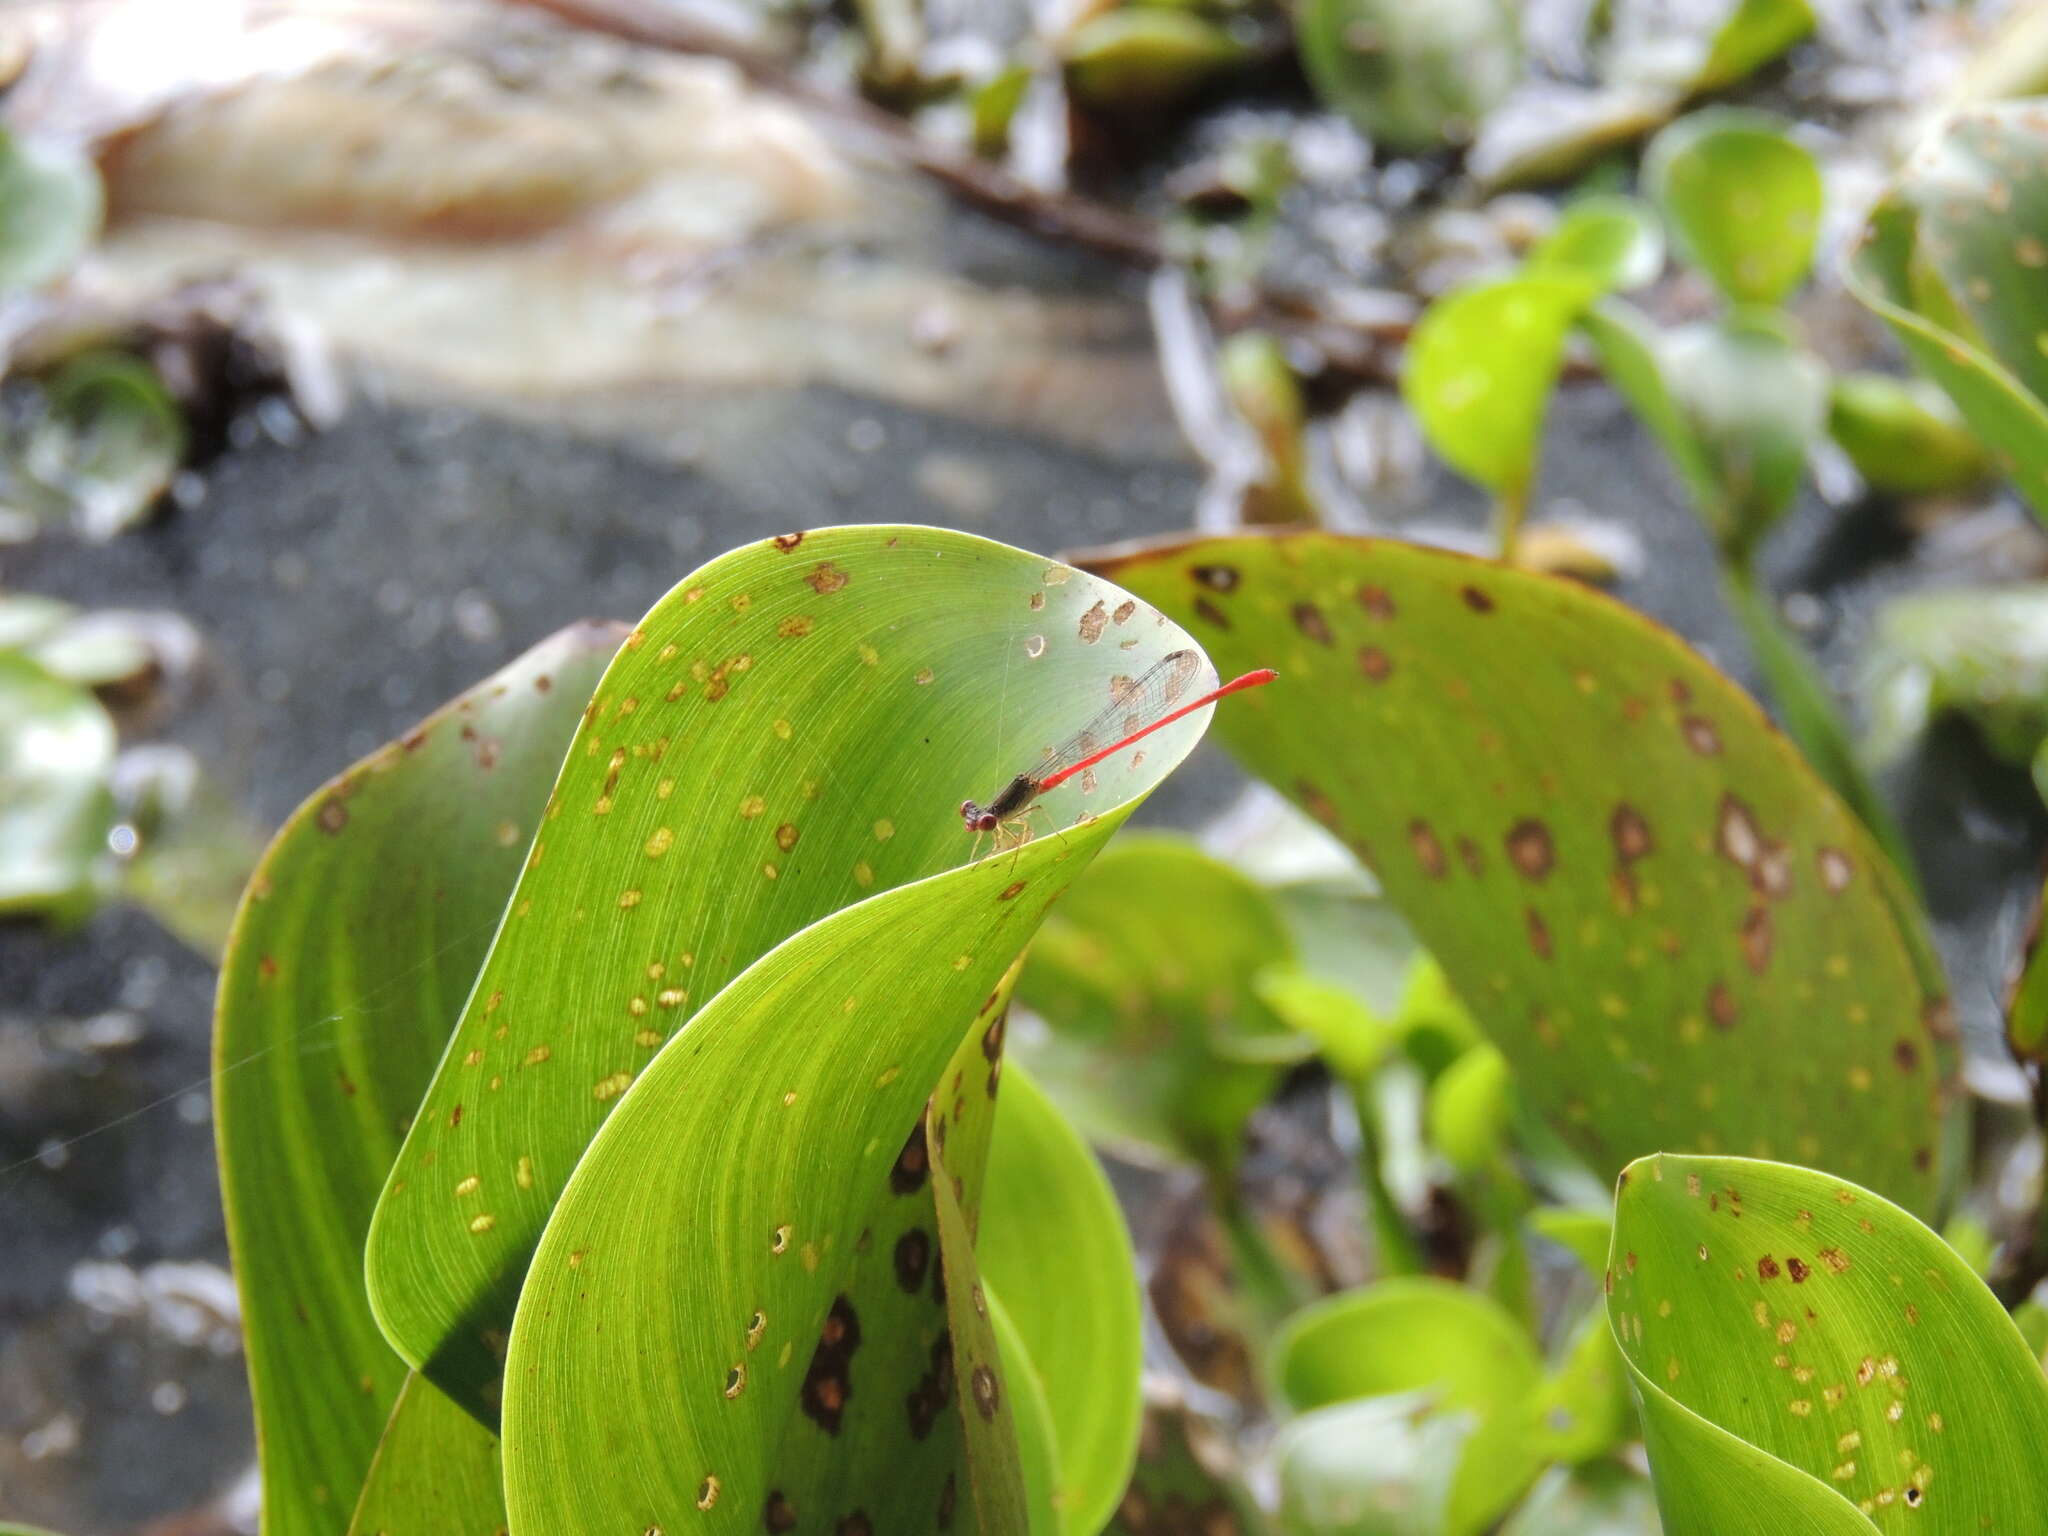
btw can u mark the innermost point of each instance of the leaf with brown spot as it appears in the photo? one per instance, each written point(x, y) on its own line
point(319, 1061)
point(1488, 731)
point(746, 1171)
point(1862, 1366)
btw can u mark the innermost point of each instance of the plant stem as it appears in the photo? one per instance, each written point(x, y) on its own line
point(1394, 1244)
point(1509, 507)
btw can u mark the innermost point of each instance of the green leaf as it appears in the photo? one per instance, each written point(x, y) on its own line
point(111, 443)
point(1755, 33)
point(1382, 1466)
point(1145, 57)
point(435, 1472)
point(1616, 239)
point(1951, 259)
point(1904, 436)
point(1411, 76)
point(361, 931)
point(56, 747)
point(1470, 1107)
point(51, 203)
point(1348, 1034)
point(1814, 1337)
point(1583, 1409)
point(1585, 1234)
point(1980, 652)
point(1599, 1499)
point(1147, 978)
point(1753, 401)
point(1052, 1245)
point(1743, 200)
point(1481, 366)
point(1459, 1346)
point(2026, 1007)
point(1630, 350)
point(1637, 885)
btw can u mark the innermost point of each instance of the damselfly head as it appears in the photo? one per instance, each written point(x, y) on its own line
point(977, 819)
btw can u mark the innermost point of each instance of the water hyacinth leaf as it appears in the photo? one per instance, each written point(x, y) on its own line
point(1347, 1034)
point(1481, 367)
point(1711, 1483)
point(1146, 57)
point(1754, 401)
point(1411, 76)
point(356, 942)
point(2026, 999)
point(56, 747)
point(1073, 1302)
point(1455, 1345)
point(1602, 1498)
point(1951, 260)
point(1545, 132)
point(1754, 33)
point(799, 1353)
point(1636, 884)
point(1583, 1409)
point(1616, 239)
point(51, 204)
point(1904, 436)
point(111, 442)
point(1821, 1328)
point(1031, 1418)
point(1743, 200)
point(790, 731)
point(1147, 979)
point(1379, 1466)
point(436, 1472)
point(1470, 1107)
point(1585, 1234)
point(1978, 652)
point(1631, 354)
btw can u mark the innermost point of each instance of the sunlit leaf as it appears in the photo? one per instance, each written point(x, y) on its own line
point(435, 1472)
point(1904, 435)
point(1147, 977)
point(1616, 239)
point(1754, 33)
point(1411, 76)
point(1952, 259)
point(1481, 366)
point(1637, 885)
point(51, 203)
point(1456, 1345)
point(357, 941)
point(56, 746)
point(1978, 652)
point(1743, 200)
point(1706, 48)
point(1052, 1245)
point(1805, 1350)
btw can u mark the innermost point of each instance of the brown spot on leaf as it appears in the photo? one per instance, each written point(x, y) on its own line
point(333, 815)
point(1631, 833)
point(1316, 803)
point(1470, 856)
point(828, 1383)
point(1756, 939)
point(1012, 891)
point(934, 1390)
point(1217, 578)
point(1374, 663)
point(1907, 1055)
point(1539, 933)
point(1721, 1006)
point(1204, 609)
point(1621, 890)
point(1939, 1019)
point(987, 1395)
point(1737, 836)
point(1835, 870)
point(992, 1037)
point(1529, 849)
point(1767, 1268)
point(1429, 853)
point(789, 541)
point(855, 1524)
point(1090, 627)
point(778, 1515)
point(913, 1259)
point(913, 1163)
point(1376, 602)
point(1700, 735)
point(826, 577)
point(1797, 1268)
point(1308, 618)
point(1477, 600)
point(949, 1497)
point(1123, 612)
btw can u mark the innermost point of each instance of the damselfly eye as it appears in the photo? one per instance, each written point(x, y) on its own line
point(985, 822)
point(967, 810)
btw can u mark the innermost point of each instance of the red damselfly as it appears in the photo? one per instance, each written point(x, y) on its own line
point(1137, 707)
